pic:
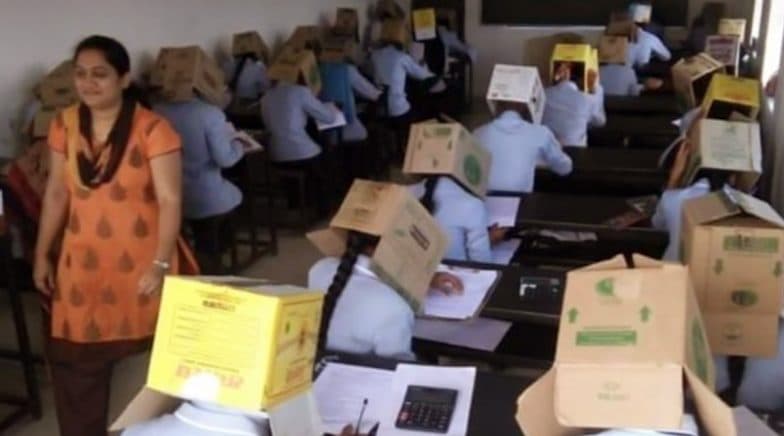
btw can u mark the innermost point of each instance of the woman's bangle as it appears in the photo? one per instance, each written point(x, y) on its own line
point(162, 264)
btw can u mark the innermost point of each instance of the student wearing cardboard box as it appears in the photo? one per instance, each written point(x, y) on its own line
point(647, 45)
point(575, 100)
point(618, 78)
point(113, 199)
point(515, 139)
point(209, 145)
point(246, 70)
point(384, 249)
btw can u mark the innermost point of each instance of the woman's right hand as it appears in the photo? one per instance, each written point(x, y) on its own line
point(43, 275)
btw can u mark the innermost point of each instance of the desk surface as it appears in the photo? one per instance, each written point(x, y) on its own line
point(654, 125)
point(602, 159)
point(646, 104)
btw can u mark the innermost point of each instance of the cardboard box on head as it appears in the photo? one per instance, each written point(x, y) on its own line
point(613, 49)
point(626, 351)
point(730, 96)
point(346, 23)
point(339, 49)
point(395, 31)
point(448, 150)
point(424, 24)
point(692, 76)
point(305, 38)
point(727, 146)
point(622, 24)
point(411, 243)
point(580, 57)
point(641, 12)
point(518, 84)
point(58, 87)
point(188, 73)
point(297, 67)
point(733, 244)
point(158, 70)
point(725, 49)
point(389, 9)
point(250, 43)
point(733, 26)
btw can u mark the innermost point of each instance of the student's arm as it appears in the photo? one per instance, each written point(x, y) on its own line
point(598, 116)
point(224, 150)
point(314, 108)
point(553, 154)
point(415, 70)
point(453, 43)
point(659, 219)
point(635, 88)
point(361, 86)
point(659, 49)
point(478, 237)
point(394, 338)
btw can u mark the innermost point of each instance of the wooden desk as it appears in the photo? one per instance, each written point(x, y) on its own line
point(634, 131)
point(646, 104)
point(606, 171)
point(494, 405)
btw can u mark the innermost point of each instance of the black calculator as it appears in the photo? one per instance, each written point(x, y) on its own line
point(427, 409)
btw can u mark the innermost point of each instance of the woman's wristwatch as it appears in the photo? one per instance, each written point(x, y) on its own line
point(162, 264)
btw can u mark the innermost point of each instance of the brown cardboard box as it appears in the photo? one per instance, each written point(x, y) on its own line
point(629, 343)
point(250, 43)
point(613, 49)
point(734, 247)
point(58, 88)
point(448, 150)
point(411, 243)
point(43, 119)
point(622, 25)
point(339, 49)
point(158, 71)
point(725, 49)
point(346, 23)
point(725, 145)
point(395, 31)
point(292, 65)
point(389, 9)
point(305, 38)
point(733, 26)
point(730, 96)
point(187, 71)
point(691, 77)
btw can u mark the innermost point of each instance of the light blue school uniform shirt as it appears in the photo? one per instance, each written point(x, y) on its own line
point(285, 109)
point(669, 214)
point(647, 46)
point(370, 317)
point(208, 146)
point(688, 119)
point(762, 384)
point(391, 67)
point(620, 80)
point(196, 419)
point(453, 44)
point(517, 146)
point(252, 82)
point(569, 111)
point(463, 217)
point(356, 131)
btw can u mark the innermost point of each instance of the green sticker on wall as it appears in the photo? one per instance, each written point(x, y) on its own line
point(472, 170)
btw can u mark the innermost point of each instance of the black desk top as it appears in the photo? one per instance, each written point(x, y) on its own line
point(494, 405)
point(646, 104)
point(603, 159)
point(641, 125)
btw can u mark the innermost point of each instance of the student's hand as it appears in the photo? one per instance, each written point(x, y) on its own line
point(43, 276)
point(652, 84)
point(448, 284)
point(349, 431)
point(593, 78)
point(151, 282)
point(679, 165)
point(497, 233)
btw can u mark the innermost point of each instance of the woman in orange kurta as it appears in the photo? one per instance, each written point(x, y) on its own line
point(113, 196)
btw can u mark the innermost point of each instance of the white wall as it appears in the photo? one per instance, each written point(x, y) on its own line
point(501, 44)
point(37, 34)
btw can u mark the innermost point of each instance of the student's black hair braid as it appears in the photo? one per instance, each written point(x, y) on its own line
point(356, 244)
point(428, 200)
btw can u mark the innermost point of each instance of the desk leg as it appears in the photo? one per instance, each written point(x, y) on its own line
point(22, 335)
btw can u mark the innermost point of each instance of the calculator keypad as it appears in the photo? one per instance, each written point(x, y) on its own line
point(432, 417)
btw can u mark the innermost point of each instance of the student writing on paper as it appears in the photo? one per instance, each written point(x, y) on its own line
point(569, 111)
point(647, 45)
point(363, 314)
point(517, 145)
point(617, 77)
point(113, 200)
point(209, 145)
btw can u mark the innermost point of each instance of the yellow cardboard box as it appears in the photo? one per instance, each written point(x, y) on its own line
point(448, 150)
point(411, 242)
point(630, 343)
point(424, 24)
point(58, 88)
point(733, 244)
point(733, 26)
point(188, 70)
point(581, 57)
point(250, 43)
point(728, 95)
point(691, 77)
point(293, 65)
point(249, 347)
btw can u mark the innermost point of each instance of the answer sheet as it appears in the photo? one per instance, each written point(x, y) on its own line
point(340, 119)
point(476, 285)
point(502, 210)
point(477, 334)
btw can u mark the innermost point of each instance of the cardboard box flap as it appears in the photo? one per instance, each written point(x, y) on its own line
point(755, 207)
point(710, 208)
point(726, 145)
point(330, 242)
point(146, 406)
point(346, 22)
point(305, 37)
point(369, 207)
point(293, 64)
point(536, 409)
point(250, 42)
point(716, 416)
point(733, 26)
point(395, 31)
point(617, 262)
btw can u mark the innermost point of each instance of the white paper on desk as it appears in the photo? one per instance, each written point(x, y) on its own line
point(340, 391)
point(249, 144)
point(503, 210)
point(504, 252)
point(476, 285)
point(340, 119)
point(477, 334)
point(296, 417)
point(460, 379)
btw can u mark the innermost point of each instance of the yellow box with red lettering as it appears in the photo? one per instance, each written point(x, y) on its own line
point(730, 96)
point(582, 59)
point(240, 344)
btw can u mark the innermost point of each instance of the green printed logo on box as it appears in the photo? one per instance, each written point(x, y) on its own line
point(749, 244)
point(472, 170)
point(606, 288)
point(700, 349)
point(744, 298)
point(607, 338)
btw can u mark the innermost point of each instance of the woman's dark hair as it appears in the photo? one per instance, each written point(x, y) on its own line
point(515, 106)
point(356, 244)
point(428, 200)
point(117, 56)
